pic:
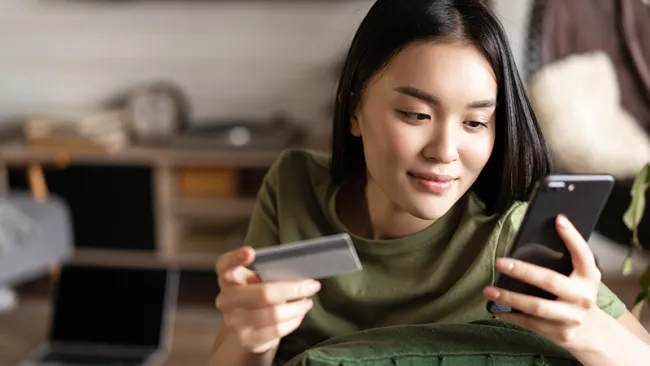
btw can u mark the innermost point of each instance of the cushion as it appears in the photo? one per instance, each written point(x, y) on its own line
point(488, 342)
point(578, 103)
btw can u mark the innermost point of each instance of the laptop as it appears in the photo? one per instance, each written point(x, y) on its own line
point(110, 316)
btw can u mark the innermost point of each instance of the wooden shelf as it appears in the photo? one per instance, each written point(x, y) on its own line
point(191, 229)
point(16, 152)
point(213, 208)
point(127, 258)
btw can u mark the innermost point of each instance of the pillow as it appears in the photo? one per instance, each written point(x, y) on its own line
point(487, 342)
point(581, 96)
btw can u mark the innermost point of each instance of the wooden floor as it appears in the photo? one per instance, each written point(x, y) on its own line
point(23, 329)
point(195, 326)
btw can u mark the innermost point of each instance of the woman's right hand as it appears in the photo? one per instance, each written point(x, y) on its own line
point(259, 314)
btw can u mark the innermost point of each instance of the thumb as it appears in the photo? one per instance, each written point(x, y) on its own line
point(231, 268)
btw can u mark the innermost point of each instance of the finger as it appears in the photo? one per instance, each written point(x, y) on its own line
point(228, 261)
point(545, 279)
point(280, 313)
point(264, 294)
point(238, 276)
point(546, 328)
point(259, 338)
point(538, 307)
point(270, 315)
point(582, 257)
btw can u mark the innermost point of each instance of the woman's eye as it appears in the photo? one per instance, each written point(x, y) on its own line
point(415, 116)
point(475, 124)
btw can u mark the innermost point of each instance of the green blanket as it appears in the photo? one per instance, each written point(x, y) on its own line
point(489, 342)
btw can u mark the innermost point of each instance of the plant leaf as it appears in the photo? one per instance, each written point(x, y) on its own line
point(627, 263)
point(634, 213)
point(643, 295)
point(644, 280)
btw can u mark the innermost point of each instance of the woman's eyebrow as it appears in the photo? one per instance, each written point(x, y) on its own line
point(418, 94)
point(487, 103)
point(431, 99)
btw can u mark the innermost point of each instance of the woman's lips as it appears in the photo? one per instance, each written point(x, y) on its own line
point(434, 183)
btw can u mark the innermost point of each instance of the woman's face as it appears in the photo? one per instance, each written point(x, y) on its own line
point(427, 125)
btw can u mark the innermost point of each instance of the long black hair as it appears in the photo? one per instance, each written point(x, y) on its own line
point(520, 156)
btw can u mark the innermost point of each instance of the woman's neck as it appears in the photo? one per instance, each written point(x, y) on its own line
point(365, 209)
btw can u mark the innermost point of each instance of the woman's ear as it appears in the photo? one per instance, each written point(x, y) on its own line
point(355, 130)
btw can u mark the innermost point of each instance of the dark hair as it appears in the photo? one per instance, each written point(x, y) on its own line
point(520, 156)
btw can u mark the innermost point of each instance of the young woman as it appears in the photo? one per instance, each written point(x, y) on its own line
point(435, 148)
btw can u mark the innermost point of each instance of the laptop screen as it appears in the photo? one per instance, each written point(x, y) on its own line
point(116, 306)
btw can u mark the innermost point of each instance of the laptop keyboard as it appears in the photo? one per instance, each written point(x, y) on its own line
point(66, 359)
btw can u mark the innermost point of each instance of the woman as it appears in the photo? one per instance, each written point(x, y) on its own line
point(435, 149)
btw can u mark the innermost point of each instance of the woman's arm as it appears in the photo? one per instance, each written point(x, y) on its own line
point(262, 231)
point(228, 351)
point(630, 323)
point(622, 342)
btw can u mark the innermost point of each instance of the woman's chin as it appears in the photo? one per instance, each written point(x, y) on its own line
point(432, 208)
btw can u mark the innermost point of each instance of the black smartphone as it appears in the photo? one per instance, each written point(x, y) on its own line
point(581, 198)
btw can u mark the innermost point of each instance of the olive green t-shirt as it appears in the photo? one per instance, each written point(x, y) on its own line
point(433, 276)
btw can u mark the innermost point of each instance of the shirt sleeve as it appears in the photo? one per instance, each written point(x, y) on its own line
point(609, 302)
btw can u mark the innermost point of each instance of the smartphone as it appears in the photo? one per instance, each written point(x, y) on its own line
point(581, 198)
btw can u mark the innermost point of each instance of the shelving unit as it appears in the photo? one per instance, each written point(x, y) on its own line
point(202, 198)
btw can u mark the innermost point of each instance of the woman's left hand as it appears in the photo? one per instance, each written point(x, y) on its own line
point(567, 321)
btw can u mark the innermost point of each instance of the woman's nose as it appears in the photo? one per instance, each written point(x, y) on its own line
point(443, 147)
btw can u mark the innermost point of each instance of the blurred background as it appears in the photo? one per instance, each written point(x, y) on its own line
point(144, 129)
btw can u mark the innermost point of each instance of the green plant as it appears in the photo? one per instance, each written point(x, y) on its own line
point(632, 219)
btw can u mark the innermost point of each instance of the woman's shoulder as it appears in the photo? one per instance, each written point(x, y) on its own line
point(298, 164)
point(298, 177)
point(289, 199)
point(513, 215)
point(506, 223)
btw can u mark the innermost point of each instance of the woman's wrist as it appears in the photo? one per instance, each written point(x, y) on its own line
point(609, 344)
point(230, 352)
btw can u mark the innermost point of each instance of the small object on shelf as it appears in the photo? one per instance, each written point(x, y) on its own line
point(279, 133)
point(101, 131)
point(207, 182)
point(156, 113)
point(8, 299)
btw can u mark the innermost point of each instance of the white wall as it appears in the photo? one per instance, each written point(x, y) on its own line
point(233, 59)
point(514, 16)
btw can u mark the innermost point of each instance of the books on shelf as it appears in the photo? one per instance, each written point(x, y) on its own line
point(102, 131)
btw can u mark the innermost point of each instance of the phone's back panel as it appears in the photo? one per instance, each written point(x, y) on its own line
point(581, 198)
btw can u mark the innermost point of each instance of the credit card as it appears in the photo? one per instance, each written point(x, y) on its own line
point(317, 258)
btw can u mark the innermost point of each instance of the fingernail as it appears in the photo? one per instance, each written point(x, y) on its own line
point(562, 221)
point(492, 293)
point(505, 264)
point(313, 286)
point(243, 254)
